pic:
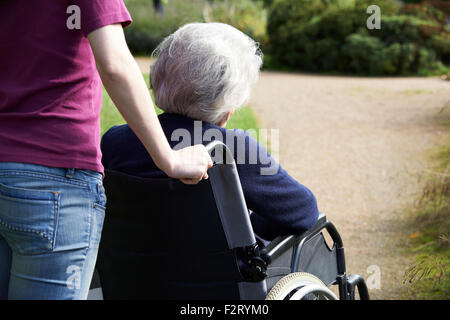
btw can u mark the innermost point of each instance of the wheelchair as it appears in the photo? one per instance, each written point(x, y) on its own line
point(165, 240)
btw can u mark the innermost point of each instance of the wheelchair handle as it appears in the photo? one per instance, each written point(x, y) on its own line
point(221, 147)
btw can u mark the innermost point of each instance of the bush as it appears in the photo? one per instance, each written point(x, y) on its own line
point(331, 35)
point(150, 28)
point(362, 53)
point(246, 15)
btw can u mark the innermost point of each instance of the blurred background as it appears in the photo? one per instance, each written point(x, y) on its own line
point(314, 35)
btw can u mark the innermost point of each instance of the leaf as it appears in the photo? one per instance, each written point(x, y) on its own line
point(414, 235)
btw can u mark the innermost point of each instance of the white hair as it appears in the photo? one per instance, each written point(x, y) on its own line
point(205, 70)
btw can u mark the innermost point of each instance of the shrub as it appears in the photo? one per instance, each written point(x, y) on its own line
point(150, 28)
point(246, 15)
point(441, 45)
point(362, 53)
point(398, 58)
point(331, 35)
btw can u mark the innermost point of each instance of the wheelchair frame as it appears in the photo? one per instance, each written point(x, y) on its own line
point(347, 284)
point(306, 252)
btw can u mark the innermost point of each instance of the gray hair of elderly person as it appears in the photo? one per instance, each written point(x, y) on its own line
point(204, 71)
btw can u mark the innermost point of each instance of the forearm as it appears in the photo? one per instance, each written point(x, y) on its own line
point(126, 86)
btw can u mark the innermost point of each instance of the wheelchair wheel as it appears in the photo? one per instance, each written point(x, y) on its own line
point(300, 286)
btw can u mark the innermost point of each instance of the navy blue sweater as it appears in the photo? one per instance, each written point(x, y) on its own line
point(279, 204)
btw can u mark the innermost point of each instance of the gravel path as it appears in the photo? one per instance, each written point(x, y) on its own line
point(359, 144)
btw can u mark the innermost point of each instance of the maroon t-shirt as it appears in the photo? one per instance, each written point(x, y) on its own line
point(50, 90)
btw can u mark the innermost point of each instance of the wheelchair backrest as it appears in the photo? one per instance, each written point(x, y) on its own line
point(163, 239)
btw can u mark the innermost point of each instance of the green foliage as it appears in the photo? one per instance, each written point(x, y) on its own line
point(363, 53)
point(150, 28)
point(428, 277)
point(429, 10)
point(246, 15)
point(331, 35)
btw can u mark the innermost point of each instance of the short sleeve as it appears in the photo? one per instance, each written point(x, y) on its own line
point(99, 13)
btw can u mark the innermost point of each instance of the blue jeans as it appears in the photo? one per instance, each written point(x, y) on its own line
point(50, 226)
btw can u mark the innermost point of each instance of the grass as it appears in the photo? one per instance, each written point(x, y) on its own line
point(429, 276)
point(242, 119)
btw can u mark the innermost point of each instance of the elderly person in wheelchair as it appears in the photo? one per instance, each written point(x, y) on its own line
point(166, 240)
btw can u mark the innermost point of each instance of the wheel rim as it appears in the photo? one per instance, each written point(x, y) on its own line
point(300, 286)
point(319, 291)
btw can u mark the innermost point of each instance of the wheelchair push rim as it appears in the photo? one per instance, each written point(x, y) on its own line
point(300, 286)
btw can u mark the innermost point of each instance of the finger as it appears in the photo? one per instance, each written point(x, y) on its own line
point(193, 180)
point(207, 157)
point(199, 178)
point(210, 162)
point(187, 181)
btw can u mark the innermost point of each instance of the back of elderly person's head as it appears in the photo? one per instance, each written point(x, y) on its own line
point(205, 70)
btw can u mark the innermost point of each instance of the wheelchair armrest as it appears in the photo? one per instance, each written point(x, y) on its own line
point(283, 243)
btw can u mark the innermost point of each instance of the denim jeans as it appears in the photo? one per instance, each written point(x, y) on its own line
point(50, 226)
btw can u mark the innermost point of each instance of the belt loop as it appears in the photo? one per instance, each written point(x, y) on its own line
point(70, 173)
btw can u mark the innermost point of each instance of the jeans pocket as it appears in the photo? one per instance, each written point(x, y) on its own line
point(29, 218)
point(100, 198)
